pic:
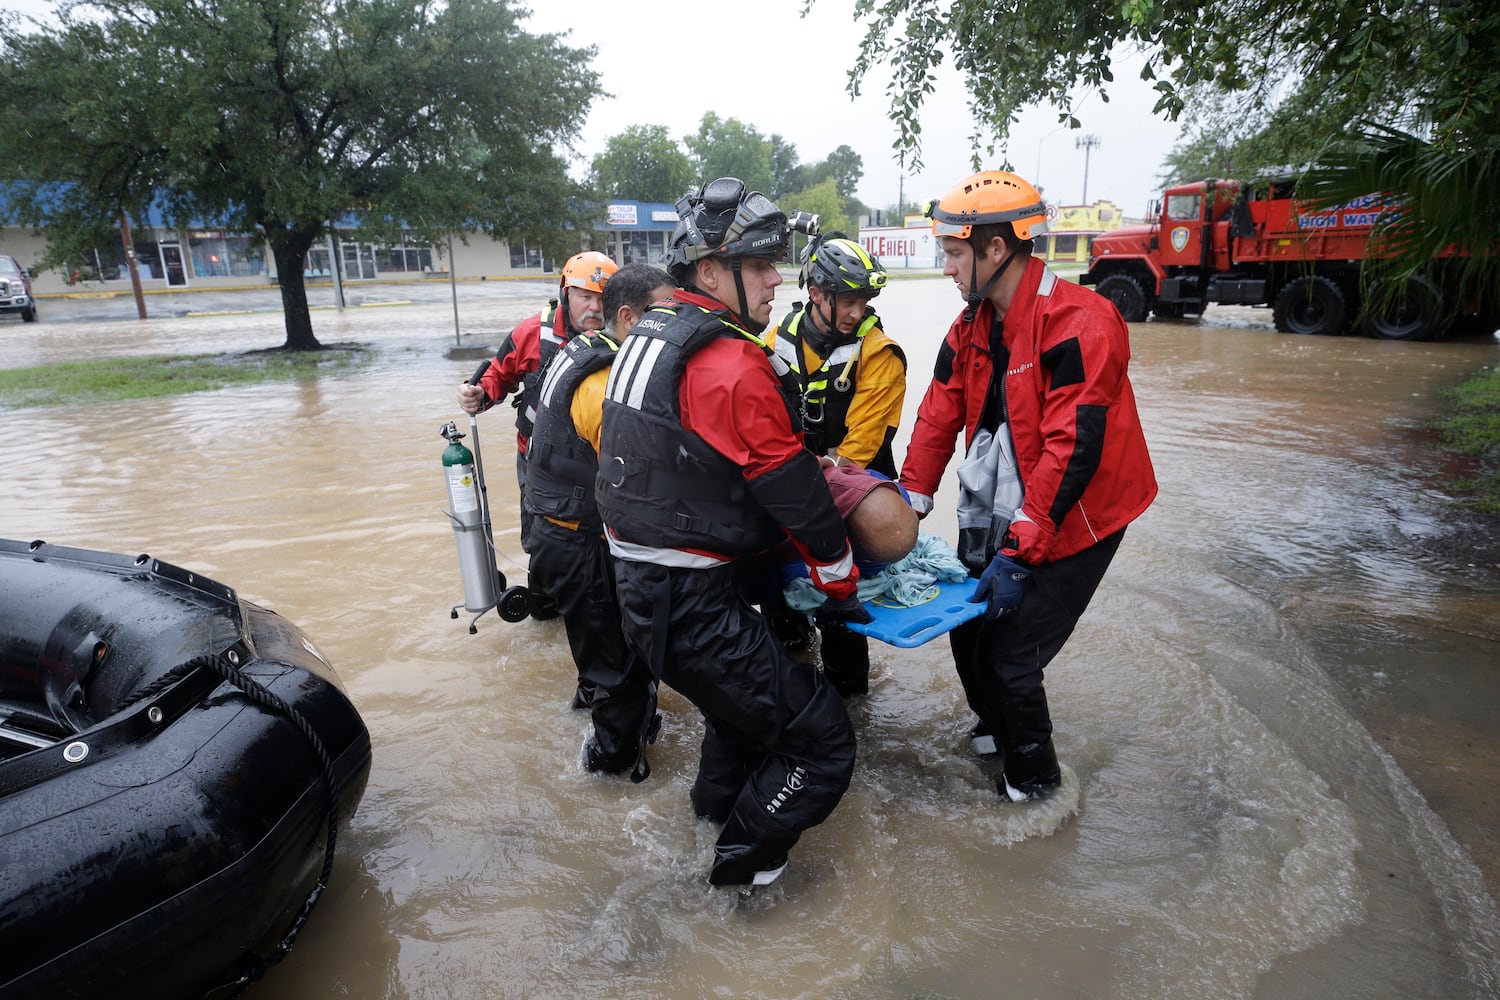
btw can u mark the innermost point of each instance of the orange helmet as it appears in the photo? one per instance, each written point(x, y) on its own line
point(988, 197)
point(588, 270)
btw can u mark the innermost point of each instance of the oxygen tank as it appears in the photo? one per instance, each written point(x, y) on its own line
point(466, 511)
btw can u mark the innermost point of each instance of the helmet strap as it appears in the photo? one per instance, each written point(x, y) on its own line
point(819, 335)
point(567, 311)
point(744, 310)
point(828, 322)
point(977, 296)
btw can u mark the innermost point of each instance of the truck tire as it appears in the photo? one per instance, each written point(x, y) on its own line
point(1310, 306)
point(1127, 295)
point(1410, 312)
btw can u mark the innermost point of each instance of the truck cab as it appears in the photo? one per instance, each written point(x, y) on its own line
point(1164, 267)
point(15, 289)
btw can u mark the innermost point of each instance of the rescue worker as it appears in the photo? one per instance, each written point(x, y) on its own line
point(570, 562)
point(701, 464)
point(852, 375)
point(1033, 372)
point(528, 348)
point(853, 385)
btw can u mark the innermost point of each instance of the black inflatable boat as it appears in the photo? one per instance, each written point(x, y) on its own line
point(175, 764)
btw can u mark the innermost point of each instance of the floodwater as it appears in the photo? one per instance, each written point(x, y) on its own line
point(1276, 720)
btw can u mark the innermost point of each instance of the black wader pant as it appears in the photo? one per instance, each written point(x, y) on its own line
point(778, 746)
point(525, 511)
point(1000, 663)
point(574, 569)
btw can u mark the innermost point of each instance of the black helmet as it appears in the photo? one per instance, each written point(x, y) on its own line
point(724, 218)
point(841, 266)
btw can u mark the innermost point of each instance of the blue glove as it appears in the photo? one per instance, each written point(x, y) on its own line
point(1002, 584)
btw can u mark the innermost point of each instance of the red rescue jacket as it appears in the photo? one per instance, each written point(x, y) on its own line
point(1079, 445)
point(524, 352)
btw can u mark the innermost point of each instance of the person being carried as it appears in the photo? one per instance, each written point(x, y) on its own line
point(852, 377)
point(527, 349)
point(881, 523)
point(570, 563)
point(702, 464)
point(1034, 373)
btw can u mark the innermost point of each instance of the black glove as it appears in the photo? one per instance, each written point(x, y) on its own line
point(1002, 585)
point(843, 611)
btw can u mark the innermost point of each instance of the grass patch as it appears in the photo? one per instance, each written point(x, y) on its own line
point(113, 379)
point(1473, 428)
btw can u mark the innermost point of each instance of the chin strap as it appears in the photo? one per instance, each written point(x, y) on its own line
point(744, 310)
point(974, 297)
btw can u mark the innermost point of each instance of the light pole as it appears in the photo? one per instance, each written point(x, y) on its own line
point(1086, 143)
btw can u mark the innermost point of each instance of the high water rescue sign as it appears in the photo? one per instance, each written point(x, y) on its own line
point(895, 247)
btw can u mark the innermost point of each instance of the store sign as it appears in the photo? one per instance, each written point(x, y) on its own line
point(664, 215)
point(899, 247)
point(622, 215)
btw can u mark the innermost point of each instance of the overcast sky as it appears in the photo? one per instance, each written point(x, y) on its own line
point(666, 62)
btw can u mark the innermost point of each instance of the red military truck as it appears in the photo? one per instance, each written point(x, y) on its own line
point(1219, 241)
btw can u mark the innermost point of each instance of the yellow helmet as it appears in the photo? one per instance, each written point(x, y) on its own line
point(589, 270)
point(988, 197)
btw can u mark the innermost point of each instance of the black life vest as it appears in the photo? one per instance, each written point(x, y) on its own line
point(660, 485)
point(560, 465)
point(827, 393)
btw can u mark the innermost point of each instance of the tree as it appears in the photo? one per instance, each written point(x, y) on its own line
point(845, 166)
point(824, 200)
point(787, 174)
point(729, 148)
point(643, 163)
point(278, 116)
point(1417, 81)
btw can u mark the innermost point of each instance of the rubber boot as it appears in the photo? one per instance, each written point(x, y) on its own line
point(746, 856)
point(583, 697)
point(1031, 772)
point(846, 659)
point(597, 759)
point(612, 757)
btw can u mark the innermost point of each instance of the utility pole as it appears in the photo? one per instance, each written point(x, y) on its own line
point(901, 198)
point(128, 242)
point(458, 338)
point(1086, 143)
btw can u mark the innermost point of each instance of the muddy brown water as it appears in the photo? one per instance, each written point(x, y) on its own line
point(1277, 719)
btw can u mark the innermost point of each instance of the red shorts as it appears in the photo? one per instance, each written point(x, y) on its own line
point(850, 484)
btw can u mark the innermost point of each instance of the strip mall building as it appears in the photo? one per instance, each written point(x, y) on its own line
point(206, 257)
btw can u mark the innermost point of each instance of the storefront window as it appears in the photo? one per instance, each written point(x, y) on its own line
point(523, 256)
point(148, 260)
point(99, 264)
point(316, 265)
point(407, 256)
point(217, 254)
point(635, 248)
